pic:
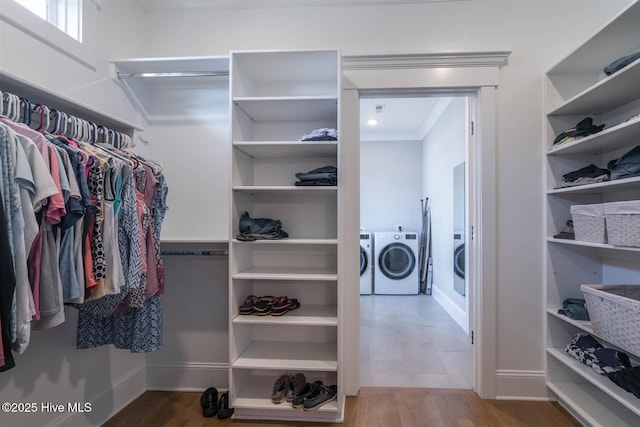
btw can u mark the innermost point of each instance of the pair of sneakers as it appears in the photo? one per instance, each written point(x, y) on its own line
point(302, 394)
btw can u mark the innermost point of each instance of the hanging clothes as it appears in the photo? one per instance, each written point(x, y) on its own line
point(80, 220)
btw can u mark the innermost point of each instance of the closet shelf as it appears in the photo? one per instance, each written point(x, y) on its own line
point(289, 273)
point(308, 315)
point(584, 325)
point(289, 108)
point(592, 245)
point(600, 187)
point(288, 241)
point(289, 356)
point(608, 94)
point(600, 381)
point(288, 149)
point(268, 189)
point(626, 134)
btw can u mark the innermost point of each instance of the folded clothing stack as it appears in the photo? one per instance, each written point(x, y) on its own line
point(590, 352)
point(585, 127)
point(626, 166)
point(574, 308)
point(324, 176)
point(323, 134)
point(586, 175)
point(628, 379)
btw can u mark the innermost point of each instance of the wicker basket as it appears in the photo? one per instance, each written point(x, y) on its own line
point(589, 223)
point(615, 314)
point(623, 223)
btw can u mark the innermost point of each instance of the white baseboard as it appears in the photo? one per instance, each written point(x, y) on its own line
point(187, 376)
point(456, 313)
point(108, 403)
point(521, 385)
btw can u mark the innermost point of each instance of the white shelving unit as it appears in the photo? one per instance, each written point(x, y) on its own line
point(276, 98)
point(577, 88)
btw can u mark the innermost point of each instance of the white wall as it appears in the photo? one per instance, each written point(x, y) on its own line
point(537, 34)
point(443, 149)
point(390, 185)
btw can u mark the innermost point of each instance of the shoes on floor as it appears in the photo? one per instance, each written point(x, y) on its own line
point(223, 407)
point(209, 402)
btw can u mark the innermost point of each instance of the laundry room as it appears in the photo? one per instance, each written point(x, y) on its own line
point(413, 152)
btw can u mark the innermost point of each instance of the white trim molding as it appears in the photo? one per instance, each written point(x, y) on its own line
point(456, 313)
point(425, 60)
point(521, 385)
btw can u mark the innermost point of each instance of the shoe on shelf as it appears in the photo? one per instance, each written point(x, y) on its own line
point(296, 384)
point(309, 390)
point(325, 395)
point(209, 402)
point(264, 305)
point(223, 407)
point(284, 305)
point(247, 307)
point(280, 388)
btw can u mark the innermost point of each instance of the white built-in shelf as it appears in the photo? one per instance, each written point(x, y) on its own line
point(308, 315)
point(287, 241)
point(289, 273)
point(618, 37)
point(592, 245)
point(257, 395)
point(584, 325)
point(288, 149)
point(601, 381)
point(293, 189)
point(626, 134)
point(608, 94)
point(167, 67)
point(289, 108)
point(289, 356)
point(599, 187)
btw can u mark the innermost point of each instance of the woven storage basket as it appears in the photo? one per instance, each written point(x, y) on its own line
point(623, 222)
point(615, 314)
point(589, 223)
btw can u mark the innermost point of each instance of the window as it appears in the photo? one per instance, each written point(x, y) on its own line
point(66, 15)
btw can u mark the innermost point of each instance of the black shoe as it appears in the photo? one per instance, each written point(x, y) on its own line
point(309, 390)
point(209, 402)
point(326, 395)
point(223, 407)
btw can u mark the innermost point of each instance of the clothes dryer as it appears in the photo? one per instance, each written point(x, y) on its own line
point(458, 262)
point(366, 265)
point(397, 271)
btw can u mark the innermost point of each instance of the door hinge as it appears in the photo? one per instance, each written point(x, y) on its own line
point(472, 233)
point(471, 337)
point(472, 128)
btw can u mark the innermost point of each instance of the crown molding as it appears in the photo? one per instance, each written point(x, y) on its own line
point(154, 5)
point(425, 60)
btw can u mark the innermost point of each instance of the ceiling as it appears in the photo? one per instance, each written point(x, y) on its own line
point(155, 5)
point(402, 119)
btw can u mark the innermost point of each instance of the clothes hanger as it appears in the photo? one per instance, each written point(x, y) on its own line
point(24, 113)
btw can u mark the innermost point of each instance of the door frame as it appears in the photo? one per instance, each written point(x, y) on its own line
point(470, 73)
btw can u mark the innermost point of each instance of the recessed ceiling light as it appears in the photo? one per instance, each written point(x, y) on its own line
point(372, 122)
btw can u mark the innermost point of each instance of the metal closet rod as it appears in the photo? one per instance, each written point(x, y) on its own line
point(197, 253)
point(172, 74)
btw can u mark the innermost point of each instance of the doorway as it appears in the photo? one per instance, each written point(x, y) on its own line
point(414, 151)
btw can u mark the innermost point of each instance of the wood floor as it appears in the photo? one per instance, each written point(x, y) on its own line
point(373, 407)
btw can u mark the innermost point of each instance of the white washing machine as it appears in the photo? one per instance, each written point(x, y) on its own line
point(458, 262)
point(396, 255)
point(366, 266)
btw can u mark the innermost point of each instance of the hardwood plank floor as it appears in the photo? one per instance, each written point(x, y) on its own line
point(373, 407)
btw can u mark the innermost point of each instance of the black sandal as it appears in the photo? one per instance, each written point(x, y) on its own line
point(209, 402)
point(223, 407)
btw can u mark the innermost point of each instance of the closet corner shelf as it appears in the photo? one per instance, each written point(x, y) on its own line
point(289, 273)
point(600, 381)
point(288, 149)
point(599, 188)
point(584, 325)
point(292, 189)
point(608, 94)
point(626, 134)
point(288, 241)
point(593, 245)
point(307, 315)
point(289, 356)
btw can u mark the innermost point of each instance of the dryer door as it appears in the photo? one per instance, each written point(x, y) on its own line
point(458, 261)
point(397, 261)
point(364, 261)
